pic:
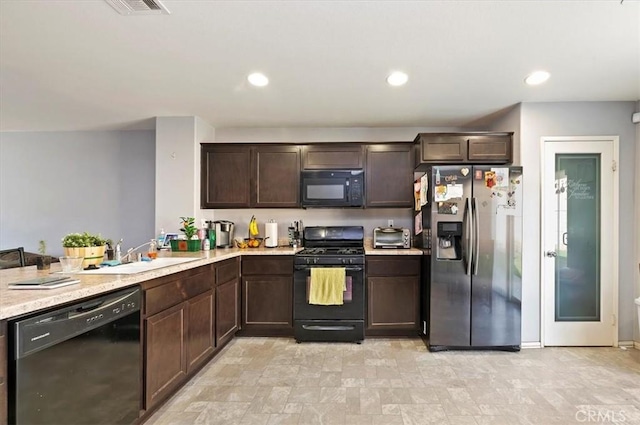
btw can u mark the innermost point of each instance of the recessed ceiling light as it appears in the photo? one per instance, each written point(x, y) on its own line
point(257, 79)
point(397, 78)
point(537, 77)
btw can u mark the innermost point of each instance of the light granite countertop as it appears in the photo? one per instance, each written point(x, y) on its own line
point(15, 303)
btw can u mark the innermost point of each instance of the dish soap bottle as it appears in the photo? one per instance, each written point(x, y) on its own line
point(160, 239)
point(153, 250)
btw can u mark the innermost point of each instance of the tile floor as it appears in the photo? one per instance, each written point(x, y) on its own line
point(257, 381)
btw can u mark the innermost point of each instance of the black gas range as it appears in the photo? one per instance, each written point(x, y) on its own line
point(334, 246)
point(330, 256)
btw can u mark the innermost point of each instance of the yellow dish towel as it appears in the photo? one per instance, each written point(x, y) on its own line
point(327, 286)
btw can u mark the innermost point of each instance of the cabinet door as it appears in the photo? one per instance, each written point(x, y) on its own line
point(276, 177)
point(393, 305)
point(477, 148)
point(443, 148)
point(166, 362)
point(225, 176)
point(389, 175)
point(267, 305)
point(227, 315)
point(3, 373)
point(332, 156)
point(200, 339)
point(490, 149)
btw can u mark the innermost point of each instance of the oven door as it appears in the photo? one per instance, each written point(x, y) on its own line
point(352, 309)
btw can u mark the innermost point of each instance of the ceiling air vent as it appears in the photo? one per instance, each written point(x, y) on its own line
point(138, 7)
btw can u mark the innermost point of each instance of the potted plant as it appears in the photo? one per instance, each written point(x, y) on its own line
point(192, 243)
point(43, 262)
point(90, 247)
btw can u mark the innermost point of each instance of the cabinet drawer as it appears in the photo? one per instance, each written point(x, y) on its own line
point(269, 265)
point(174, 292)
point(197, 284)
point(227, 270)
point(162, 297)
point(393, 266)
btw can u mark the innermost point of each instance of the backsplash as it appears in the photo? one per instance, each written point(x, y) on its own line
point(368, 218)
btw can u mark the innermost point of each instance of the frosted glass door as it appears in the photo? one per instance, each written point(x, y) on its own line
point(579, 236)
point(577, 270)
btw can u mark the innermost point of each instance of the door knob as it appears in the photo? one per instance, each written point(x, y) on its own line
point(551, 254)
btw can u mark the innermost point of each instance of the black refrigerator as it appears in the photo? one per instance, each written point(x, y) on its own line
point(470, 220)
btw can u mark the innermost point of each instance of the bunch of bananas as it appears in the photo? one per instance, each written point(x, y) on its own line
point(253, 227)
point(240, 243)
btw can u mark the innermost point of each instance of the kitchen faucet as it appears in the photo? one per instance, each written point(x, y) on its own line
point(126, 258)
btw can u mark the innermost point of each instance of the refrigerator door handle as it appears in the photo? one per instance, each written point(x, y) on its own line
point(476, 236)
point(469, 238)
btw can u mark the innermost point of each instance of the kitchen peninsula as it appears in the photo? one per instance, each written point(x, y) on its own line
point(197, 306)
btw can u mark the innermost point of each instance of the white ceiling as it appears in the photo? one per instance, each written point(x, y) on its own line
point(79, 65)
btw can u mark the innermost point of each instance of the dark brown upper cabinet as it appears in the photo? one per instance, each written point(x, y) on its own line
point(457, 148)
point(332, 156)
point(246, 176)
point(276, 178)
point(389, 175)
point(225, 176)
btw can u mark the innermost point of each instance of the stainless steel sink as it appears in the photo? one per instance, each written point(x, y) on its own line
point(140, 266)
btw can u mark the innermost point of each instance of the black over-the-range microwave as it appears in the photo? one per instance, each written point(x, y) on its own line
point(332, 188)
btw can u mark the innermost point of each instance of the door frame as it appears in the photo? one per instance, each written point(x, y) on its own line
point(615, 223)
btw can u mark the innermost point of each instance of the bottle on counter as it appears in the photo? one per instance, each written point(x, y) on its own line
point(211, 233)
point(161, 238)
point(153, 250)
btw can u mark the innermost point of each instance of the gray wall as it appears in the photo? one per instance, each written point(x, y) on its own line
point(54, 183)
point(510, 121)
point(577, 119)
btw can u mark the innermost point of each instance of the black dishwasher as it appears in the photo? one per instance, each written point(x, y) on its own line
point(78, 364)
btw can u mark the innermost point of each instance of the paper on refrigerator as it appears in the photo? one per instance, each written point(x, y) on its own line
point(424, 190)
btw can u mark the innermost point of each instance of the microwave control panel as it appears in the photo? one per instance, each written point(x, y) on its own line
point(356, 188)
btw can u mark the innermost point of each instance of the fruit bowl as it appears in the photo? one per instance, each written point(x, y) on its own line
point(253, 242)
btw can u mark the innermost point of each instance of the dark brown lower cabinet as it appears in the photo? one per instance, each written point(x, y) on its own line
point(166, 360)
point(227, 314)
point(267, 303)
point(200, 338)
point(267, 296)
point(179, 314)
point(3, 373)
point(393, 295)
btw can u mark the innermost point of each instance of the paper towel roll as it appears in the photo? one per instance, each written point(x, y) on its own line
point(271, 233)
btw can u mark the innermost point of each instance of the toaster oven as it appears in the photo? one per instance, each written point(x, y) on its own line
point(391, 237)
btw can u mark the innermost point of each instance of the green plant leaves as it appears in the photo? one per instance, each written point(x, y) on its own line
point(76, 240)
point(188, 226)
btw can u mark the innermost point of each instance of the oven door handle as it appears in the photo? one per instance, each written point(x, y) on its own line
point(349, 269)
